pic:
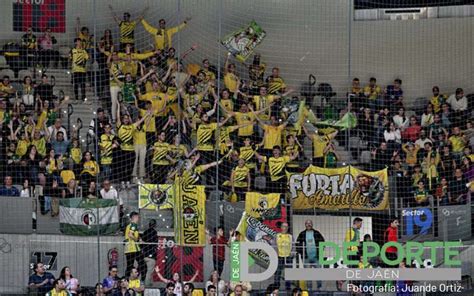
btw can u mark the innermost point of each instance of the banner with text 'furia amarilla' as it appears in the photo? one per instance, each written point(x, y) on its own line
point(39, 15)
point(189, 214)
point(339, 188)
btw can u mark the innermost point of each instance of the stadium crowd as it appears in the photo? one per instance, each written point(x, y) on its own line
point(162, 117)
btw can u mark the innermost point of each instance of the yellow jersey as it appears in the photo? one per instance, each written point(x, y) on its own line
point(284, 243)
point(262, 103)
point(276, 167)
point(272, 136)
point(372, 92)
point(240, 176)
point(158, 101)
point(245, 118)
point(86, 40)
point(106, 150)
point(205, 136)
point(291, 150)
point(231, 81)
point(139, 136)
point(90, 167)
point(160, 150)
point(76, 155)
point(248, 154)
point(178, 152)
point(79, 59)
point(127, 30)
point(131, 245)
point(135, 284)
point(150, 124)
point(22, 147)
point(319, 143)
point(40, 145)
point(125, 134)
point(457, 143)
point(276, 85)
point(163, 37)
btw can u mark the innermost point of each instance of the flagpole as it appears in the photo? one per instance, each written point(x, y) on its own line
point(96, 147)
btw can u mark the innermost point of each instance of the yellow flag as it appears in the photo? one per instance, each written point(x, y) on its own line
point(259, 205)
point(339, 188)
point(153, 197)
point(189, 214)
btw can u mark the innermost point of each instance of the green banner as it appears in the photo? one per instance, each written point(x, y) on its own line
point(235, 262)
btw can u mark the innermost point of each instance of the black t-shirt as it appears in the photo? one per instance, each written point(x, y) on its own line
point(150, 236)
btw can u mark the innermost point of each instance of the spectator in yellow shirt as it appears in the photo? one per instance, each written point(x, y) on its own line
point(276, 84)
point(437, 99)
point(231, 80)
point(90, 168)
point(162, 35)
point(272, 134)
point(411, 152)
point(320, 142)
point(458, 142)
point(372, 91)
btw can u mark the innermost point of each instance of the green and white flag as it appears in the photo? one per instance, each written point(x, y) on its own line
point(79, 216)
point(242, 42)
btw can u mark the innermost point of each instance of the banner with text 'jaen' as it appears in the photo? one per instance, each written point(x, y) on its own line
point(339, 188)
point(189, 214)
point(39, 15)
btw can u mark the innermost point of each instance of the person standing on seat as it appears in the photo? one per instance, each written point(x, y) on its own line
point(132, 247)
point(79, 57)
point(127, 27)
point(163, 36)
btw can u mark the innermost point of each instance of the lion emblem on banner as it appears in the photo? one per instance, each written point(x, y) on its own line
point(372, 188)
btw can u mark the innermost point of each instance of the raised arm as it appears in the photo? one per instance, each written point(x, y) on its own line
point(140, 81)
point(226, 64)
point(150, 29)
point(210, 165)
point(262, 124)
point(307, 132)
point(224, 121)
point(142, 14)
point(187, 52)
point(114, 15)
point(194, 276)
point(138, 122)
point(160, 276)
point(78, 26)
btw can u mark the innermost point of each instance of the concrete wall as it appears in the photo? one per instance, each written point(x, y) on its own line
point(305, 36)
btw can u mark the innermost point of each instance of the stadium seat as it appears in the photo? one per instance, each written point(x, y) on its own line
point(3, 63)
point(152, 292)
point(365, 157)
point(23, 73)
point(7, 72)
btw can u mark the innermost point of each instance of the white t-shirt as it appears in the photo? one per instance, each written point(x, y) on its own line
point(111, 194)
point(457, 105)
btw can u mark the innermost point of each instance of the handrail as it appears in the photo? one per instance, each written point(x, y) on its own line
point(70, 111)
point(88, 141)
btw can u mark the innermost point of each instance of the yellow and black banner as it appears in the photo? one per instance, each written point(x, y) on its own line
point(339, 188)
point(155, 197)
point(189, 214)
point(261, 206)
